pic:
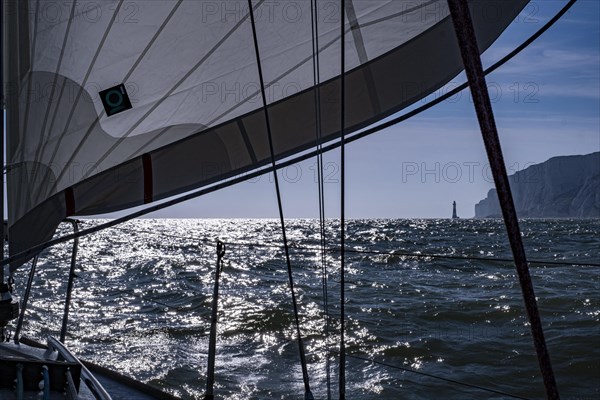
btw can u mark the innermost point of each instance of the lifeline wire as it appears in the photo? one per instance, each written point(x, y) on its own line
point(413, 371)
point(307, 393)
point(368, 252)
point(453, 381)
point(251, 175)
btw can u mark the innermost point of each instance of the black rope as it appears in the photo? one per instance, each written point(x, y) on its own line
point(441, 378)
point(467, 40)
point(368, 252)
point(467, 258)
point(284, 164)
point(314, 14)
point(413, 371)
point(307, 393)
point(342, 367)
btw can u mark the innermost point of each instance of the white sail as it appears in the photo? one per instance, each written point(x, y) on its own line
point(190, 72)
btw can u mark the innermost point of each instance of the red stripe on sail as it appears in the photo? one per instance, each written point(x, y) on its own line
point(148, 189)
point(69, 201)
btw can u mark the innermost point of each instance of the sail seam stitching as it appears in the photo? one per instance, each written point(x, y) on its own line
point(307, 392)
point(79, 94)
point(168, 94)
point(102, 113)
point(53, 88)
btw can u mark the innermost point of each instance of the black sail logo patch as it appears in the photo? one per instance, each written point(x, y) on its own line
point(115, 100)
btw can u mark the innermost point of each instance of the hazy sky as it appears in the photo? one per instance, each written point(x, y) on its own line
point(546, 102)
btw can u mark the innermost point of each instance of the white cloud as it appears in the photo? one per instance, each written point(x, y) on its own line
point(591, 91)
point(544, 61)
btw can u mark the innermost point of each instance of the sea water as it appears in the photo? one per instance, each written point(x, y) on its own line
point(142, 305)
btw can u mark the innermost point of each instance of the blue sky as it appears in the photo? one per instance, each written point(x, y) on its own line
point(546, 101)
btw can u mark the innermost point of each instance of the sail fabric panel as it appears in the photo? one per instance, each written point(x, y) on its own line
point(192, 77)
point(408, 19)
point(286, 52)
point(120, 185)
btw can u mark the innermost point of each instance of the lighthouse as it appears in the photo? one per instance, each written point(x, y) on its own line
point(454, 216)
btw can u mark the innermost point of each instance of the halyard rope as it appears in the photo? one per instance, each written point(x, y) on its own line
point(307, 393)
point(342, 366)
point(320, 181)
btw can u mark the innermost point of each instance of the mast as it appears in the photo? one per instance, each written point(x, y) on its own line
point(9, 307)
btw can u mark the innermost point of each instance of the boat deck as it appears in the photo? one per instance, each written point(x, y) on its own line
point(121, 387)
point(33, 354)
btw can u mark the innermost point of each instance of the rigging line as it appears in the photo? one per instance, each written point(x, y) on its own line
point(413, 371)
point(342, 360)
point(467, 41)
point(307, 393)
point(373, 252)
point(470, 258)
point(370, 252)
point(77, 98)
point(284, 164)
point(448, 380)
point(103, 112)
point(54, 83)
point(314, 13)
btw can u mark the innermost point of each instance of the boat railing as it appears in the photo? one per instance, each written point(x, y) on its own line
point(86, 376)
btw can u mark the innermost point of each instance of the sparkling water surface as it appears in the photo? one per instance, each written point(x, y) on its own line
point(142, 305)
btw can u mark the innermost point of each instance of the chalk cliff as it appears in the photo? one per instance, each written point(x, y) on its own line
point(562, 187)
